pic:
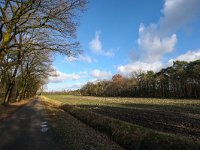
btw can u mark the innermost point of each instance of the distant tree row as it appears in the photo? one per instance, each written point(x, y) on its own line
point(182, 80)
point(31, 31)
point(64, 92)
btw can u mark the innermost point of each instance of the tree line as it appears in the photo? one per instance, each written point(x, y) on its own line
point(181, 80)
point(31, 33)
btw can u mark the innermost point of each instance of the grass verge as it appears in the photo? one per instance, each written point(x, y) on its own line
point(73, 134)
point(128, 135)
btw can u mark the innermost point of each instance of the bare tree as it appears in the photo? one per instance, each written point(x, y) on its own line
point(35, 28)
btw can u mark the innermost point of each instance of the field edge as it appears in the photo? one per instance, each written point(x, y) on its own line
point(127, 135)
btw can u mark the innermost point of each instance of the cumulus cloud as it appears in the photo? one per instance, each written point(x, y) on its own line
point(96, 45)
point(157, 66)
point(157, 39)
point(139, 66)
point(100, 75)
point(188, 56)
point(153, 45)
point(58, 76)
point(83, 58)
point(177, 13)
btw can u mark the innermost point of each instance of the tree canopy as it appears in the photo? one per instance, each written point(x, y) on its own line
point(30, 32)
point(182, 80)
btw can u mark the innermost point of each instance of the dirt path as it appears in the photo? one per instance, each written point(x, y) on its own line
point(23, 130)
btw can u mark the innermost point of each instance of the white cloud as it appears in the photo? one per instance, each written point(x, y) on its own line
point(96, 46)
point(100, 75)
point(58, 76)
point(154, 46)
point(139, 66)
point(157, 66)
point(188, 56)
point(157, 39)
point(177, 13)
point(83, 58)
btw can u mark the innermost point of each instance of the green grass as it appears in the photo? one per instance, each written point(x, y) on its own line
point(128, 135)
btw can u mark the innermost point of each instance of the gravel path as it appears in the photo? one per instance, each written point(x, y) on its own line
point(27, 129)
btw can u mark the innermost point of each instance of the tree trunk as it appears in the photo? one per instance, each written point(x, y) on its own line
point(8, 94)
point(11, 85)
point(23, 92)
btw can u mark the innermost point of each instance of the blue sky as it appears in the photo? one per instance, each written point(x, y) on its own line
point(123, 36)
